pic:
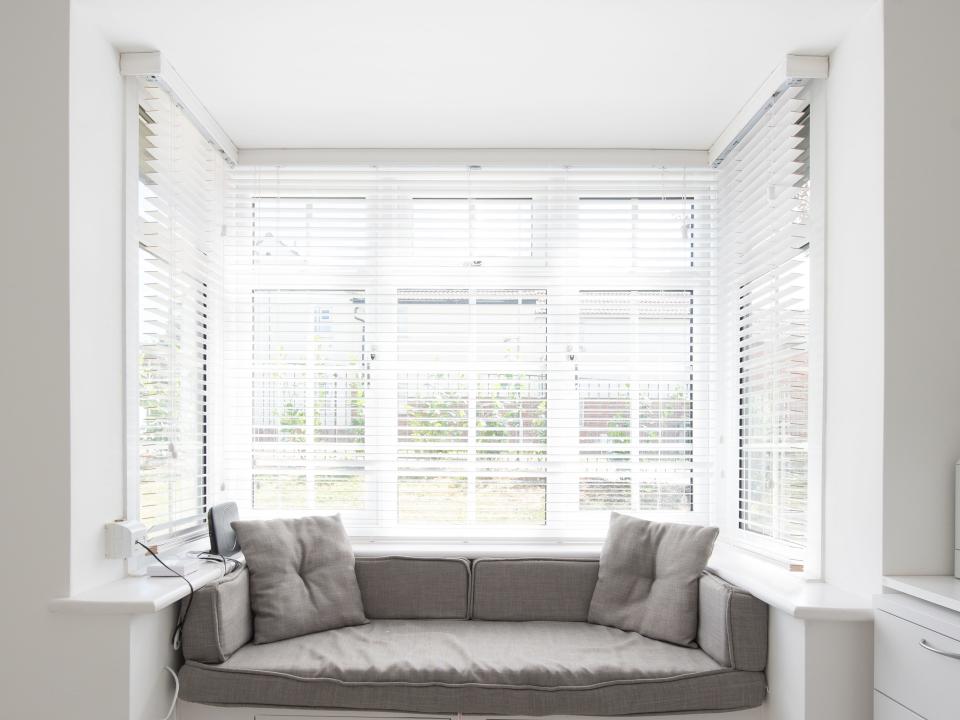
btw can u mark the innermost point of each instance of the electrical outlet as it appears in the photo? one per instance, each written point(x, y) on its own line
point(122, 537)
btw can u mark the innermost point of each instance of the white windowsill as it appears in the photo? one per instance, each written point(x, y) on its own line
point(137, 594)
point(787, 591)
point(774, 585)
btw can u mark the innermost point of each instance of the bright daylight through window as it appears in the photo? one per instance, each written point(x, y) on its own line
point(766, 224)
point(178, 206)
point(469, 352)
point(449, 352)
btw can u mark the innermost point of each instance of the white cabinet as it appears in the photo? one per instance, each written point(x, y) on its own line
point(886, 709)
point(917, 651)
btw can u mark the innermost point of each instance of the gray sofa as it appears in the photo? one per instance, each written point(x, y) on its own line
point(493, 637)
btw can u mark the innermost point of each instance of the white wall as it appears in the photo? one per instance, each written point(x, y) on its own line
point(922, 285)
point(854, 331)
point(96, 300)
point(838, 670)
point(819, 670)
point(785, 665)
point(135, 647)
point(61, 429)
point(34, 359)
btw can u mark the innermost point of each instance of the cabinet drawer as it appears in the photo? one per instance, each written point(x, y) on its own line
point(915, 676)
point(886, 709)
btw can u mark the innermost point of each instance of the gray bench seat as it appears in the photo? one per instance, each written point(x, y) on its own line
point(473, 666)
point(514, 665)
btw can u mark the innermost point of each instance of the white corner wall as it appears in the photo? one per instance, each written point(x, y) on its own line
point(921, 285)
point(135, 648)
point(61, 429)
point(96, 300)
point(854, 317)
point(34, 362)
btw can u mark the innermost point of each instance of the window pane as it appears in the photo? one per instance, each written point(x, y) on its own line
point(774, 397)
point(407, 346)
point(765, 195)
point(645, 233)
point(511, 455)
point(172, 400)
point(472, 443)
point(432, 437)
point(178, 235)
point(309, 397)
point(323, 233)
point(459, 229)
point(636, 426)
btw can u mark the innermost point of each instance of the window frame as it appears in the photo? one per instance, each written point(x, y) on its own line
point(728, 498)
point(205, 308)
point(479, 276)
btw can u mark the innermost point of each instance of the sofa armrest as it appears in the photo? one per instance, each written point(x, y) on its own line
point(733, 625)
point(220, 620)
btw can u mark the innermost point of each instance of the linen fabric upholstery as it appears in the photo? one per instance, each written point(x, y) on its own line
point(473, 666)
point(649, 578)
point(414, 588)
point(733, 625)
point(219, 621)
point(533, 589)
point(302, 577)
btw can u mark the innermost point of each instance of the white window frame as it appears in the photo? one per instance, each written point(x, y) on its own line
point(562, 334)
point(728, 498)
point(153, 67)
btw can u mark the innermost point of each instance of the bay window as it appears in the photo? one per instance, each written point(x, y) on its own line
point(475, 353)
point(468, 353)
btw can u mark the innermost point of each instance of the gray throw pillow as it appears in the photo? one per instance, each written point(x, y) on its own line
point(302, 578)
point(649, 579)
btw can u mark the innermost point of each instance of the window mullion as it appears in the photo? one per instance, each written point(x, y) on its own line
point(636, 475)
point(562, 350)
point(473, 381)
point(382, 446)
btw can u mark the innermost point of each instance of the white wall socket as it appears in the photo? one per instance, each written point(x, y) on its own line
point(122, 538)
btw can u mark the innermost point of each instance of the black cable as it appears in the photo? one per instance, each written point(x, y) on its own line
point(210, 557)
point(223, 559)
point(175, 639)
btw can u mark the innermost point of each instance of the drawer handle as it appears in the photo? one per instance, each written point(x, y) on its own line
point(927, 646)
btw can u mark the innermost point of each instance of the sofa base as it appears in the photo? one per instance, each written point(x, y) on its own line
point(196, 711)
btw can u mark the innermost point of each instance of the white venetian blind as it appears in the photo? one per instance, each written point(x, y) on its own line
point(179, 208)
point(764, 224)
point(469, 352)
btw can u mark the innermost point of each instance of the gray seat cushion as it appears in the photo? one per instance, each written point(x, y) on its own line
point(533, 589)
point(473, 666)
point(404, 588)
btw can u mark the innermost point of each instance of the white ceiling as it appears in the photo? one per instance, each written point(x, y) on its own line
point(477, 73)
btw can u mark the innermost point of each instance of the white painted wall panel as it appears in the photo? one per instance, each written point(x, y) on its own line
point(853, 442)
point(96, 307)
point(34, 362)
point(921, 287)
